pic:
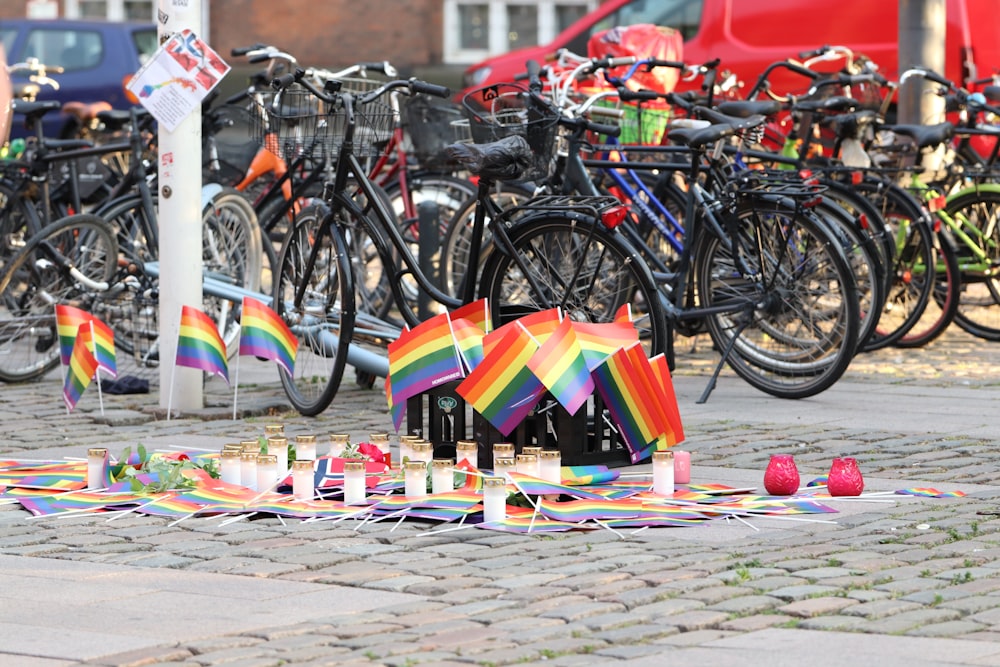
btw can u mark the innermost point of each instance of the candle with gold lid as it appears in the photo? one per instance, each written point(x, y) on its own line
point(502, 450)
point(494, 499)
point(305, 447)
point(415, 479)
point(405, 446)
point(550, 465)
point(663, 473)
point(248, 469)
point(267, 471)
point(250, 446)
point(354, 483)
point(526, 464)
point(303, 481)
point(277, 446)
point(467, 450)
point(442, 476)
point(98, 468)
point(229, 466)
point(531, 450)
point(382, 441)
point(503, 465)
point(273, 429)
point(421, 450)
point(338, 443)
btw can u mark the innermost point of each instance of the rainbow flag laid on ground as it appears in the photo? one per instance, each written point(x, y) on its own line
point(423, 357)
point(82, 366)
point(199, 344)
point(68, 321)
point(560, 365)
point(263, 334)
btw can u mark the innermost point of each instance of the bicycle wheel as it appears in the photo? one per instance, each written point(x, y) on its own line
point(318, 304)
point(792, 329)
point(37, 278)
point(940, 310)
point(978, 214)
point(582, 267)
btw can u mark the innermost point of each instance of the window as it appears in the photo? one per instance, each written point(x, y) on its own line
point(70, 49)
point(683, 15)
point(475, 29)
point(113, 10)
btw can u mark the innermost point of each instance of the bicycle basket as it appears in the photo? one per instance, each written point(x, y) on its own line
point(431, 125)
point(295, 122)
point(506, 109)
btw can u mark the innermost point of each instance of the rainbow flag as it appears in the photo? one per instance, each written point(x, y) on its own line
point(560, 366)
point(477, 312)
point(68, 321)
point(199, 344)
point(422, 358)
point(638, 421)
point(539, 326)
point(502, 388)
point(661, 371)
point(397, 410)
point(600, 339)
point(533, 486)
point(469, 341)
point(264, 334)
point(82, 366)
point(100, 340)
point(655, 399)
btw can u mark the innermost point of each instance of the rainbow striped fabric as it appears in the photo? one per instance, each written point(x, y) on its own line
point(559, 364)
point(100, 340)
point(81, 370)
point(477, 312)
point(68, 321)
point(199, 344)
point(423, 357)
point(263, 334)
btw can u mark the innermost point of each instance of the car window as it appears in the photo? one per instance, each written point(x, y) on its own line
point(682, 15)
point(146, 43)
point(7, 36)
point(71, 49)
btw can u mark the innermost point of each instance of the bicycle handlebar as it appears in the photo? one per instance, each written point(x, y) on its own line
point(414, 85)
point(243, 50)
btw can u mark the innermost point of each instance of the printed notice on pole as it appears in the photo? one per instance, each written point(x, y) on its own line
point(177, 78)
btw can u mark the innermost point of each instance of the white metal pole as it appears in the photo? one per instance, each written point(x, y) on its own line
point(180, 224)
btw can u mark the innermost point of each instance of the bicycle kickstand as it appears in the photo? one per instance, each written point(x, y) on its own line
point(725, 355)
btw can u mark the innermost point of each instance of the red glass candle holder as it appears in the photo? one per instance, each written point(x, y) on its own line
point(845, 478)
point(781, 477)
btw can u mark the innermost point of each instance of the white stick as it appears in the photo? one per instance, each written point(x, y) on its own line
point(236, 384)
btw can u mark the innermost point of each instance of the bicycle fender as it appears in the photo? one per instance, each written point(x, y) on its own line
point(208, 192)
point(983, 187)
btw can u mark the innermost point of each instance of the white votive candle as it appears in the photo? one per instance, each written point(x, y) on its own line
point(338, 443)
point(494, 499)
point(277, 446)
point(502, 450)
point(305, 447)
point(97, 468)
point(663, 473)
point(467, 450)
point(303, 482)
point(415, 479)
point(229, 466)
point(442, 476)
point(248, 469)
point(526, 464)
point(267, 471)
point(550, 465)
point(354, 483)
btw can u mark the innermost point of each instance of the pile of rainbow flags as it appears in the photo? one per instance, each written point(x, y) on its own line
point(504, 373)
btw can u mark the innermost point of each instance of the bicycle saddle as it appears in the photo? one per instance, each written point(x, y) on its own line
point(502, 160)
point(924, 136)
point(746, 108)
point(836, 103)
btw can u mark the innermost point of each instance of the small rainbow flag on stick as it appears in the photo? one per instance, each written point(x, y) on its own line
point(82, 366)
point(263, 334)
point(100, 340)
point(199, 344)
point(423, 357)
point(560, 365)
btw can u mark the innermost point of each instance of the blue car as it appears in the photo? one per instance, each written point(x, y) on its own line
point(96, 58)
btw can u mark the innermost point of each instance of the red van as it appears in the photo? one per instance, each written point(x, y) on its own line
point(747, 35)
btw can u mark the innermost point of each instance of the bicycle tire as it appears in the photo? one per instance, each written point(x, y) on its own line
point(797, 333)
point(608, 273)
point(323, 319)
point(941, 309)
point(911, 285)
point(979, 304)
point(274, 216)
point(33, 282)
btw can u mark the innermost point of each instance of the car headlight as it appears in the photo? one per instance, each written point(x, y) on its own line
point(477, 76)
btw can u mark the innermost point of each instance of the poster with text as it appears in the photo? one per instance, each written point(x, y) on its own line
point(177, 78)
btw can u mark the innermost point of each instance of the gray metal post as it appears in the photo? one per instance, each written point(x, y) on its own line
point(427, 248)
point(921, 43)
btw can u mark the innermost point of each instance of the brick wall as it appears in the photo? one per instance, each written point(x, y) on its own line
point(332, 33)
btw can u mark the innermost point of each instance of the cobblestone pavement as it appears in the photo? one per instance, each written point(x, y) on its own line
point(924, 569)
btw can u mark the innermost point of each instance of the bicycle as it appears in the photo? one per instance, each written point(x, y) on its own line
point(315, 292)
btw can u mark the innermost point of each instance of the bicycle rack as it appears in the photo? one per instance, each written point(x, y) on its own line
point(357, 356)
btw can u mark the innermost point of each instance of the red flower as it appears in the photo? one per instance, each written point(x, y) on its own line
point(371, 452)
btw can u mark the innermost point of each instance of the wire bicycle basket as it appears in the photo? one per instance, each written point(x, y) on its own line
point(295, 122)
point(507, 109)
point(432, 125)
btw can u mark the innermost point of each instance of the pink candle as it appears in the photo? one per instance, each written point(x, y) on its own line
point(682, 467)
